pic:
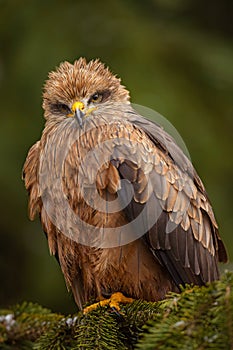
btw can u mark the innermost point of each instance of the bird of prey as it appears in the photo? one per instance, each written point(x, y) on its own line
point(123, 208)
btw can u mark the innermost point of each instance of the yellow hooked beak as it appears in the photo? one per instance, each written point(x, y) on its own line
point(78, 110)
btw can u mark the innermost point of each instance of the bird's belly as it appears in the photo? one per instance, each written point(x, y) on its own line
point(133, 270)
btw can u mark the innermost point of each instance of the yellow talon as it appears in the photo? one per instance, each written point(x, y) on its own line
point(113, 302)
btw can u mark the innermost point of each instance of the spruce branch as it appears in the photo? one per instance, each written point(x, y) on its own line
point(197, 318)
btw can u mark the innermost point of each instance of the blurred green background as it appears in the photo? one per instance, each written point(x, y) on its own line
point(175, 56)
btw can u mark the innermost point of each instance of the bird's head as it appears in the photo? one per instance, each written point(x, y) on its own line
point(75, 90)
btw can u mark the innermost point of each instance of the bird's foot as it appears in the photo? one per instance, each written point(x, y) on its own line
point(113, 302)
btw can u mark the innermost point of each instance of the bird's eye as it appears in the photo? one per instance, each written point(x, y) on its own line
point(60, 108)
point(96, 97)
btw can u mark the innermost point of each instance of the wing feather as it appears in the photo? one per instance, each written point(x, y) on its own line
point(29, 176)
point(184, 238)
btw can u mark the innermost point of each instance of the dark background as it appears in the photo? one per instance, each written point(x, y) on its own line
point(175, 56)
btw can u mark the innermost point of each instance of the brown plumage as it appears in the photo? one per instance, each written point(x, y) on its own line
point(101, 165)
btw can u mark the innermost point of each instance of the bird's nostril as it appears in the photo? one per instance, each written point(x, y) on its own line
point(78, 105)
